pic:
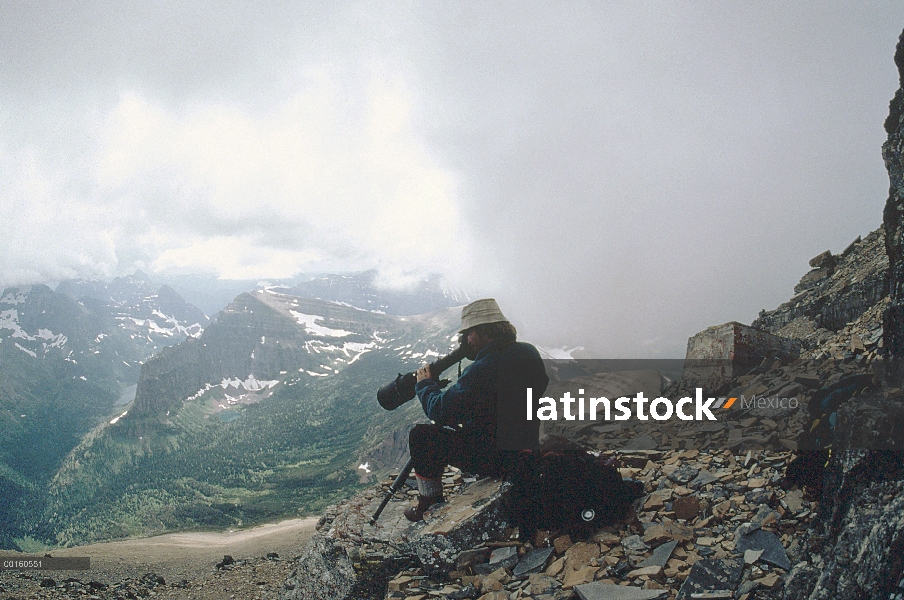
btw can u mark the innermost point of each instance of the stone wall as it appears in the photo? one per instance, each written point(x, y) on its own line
point(719, 354)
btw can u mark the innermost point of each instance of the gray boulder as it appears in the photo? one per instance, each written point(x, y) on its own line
point(348, 558)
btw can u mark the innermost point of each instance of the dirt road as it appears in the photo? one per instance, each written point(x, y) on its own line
point(189, 555)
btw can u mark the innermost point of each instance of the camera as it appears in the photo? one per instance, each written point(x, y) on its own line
point(400, 390)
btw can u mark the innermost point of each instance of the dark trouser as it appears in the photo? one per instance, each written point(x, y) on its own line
point(433, 447)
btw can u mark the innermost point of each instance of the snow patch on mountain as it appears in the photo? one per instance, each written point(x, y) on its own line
point(26, 350)
point(356, 349)
point(9, 319)
point(16, 297)
point(199, 393)
point(193, 330)
point(250, 383)
point(310, 325)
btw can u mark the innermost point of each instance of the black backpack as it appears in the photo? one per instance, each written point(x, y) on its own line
point(564, 487)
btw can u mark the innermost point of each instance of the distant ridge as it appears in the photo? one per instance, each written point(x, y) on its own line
point(360, 291)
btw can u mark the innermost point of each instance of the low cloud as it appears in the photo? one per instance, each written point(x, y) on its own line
point(322, 180)
point(617, 176)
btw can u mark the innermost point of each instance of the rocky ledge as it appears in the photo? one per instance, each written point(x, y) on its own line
point(712, 522)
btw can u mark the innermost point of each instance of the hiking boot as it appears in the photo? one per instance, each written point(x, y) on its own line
point(416, 513)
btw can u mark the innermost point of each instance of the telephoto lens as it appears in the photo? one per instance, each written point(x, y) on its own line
point(401, 389)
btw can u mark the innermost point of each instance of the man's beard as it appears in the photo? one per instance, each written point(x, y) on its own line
point(470, 351)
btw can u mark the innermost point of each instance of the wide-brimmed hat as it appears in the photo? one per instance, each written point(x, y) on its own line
point(481, 312)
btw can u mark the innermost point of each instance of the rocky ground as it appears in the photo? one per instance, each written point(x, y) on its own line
point(183, 565)
point(707, 514)
point(257, 578)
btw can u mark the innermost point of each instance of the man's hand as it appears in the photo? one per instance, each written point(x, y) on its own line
point(424, 373)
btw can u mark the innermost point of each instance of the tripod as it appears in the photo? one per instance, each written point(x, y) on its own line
point(395, 487)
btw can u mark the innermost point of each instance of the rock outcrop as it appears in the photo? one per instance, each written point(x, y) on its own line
point(350, 558)
point(893, 221)
point(720, 354)
point(856, 547)
point(836, 292)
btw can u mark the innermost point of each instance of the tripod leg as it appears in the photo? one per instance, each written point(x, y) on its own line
point(396, 485)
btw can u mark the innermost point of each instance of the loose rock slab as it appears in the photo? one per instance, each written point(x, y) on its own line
point(609, 591)
point(711, 575)
point(533, 561)
point(773, 551)
point(686, 508)
point(641, 442)
point(703, 477)
point(684, 474)
point(634, 545)
point(506, 557)
point(664, 532)
point(472, 517)
point(751, 556)
point(660, 556)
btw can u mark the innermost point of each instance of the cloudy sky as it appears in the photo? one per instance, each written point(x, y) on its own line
point(620, 175)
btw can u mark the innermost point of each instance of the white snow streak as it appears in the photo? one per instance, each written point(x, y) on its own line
point(26, 350)
point(14, 298)
point(251, 383)
point(308, 322)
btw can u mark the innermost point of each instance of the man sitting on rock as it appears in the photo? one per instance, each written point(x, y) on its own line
point(464, 433)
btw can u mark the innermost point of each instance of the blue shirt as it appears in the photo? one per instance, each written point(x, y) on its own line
point(472, 400)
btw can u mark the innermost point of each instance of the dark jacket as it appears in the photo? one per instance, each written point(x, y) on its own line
point(488, 388)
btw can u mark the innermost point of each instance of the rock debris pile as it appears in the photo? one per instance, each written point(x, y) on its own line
point(712, 522)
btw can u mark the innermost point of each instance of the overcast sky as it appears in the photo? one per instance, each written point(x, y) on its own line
point(619, 175)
